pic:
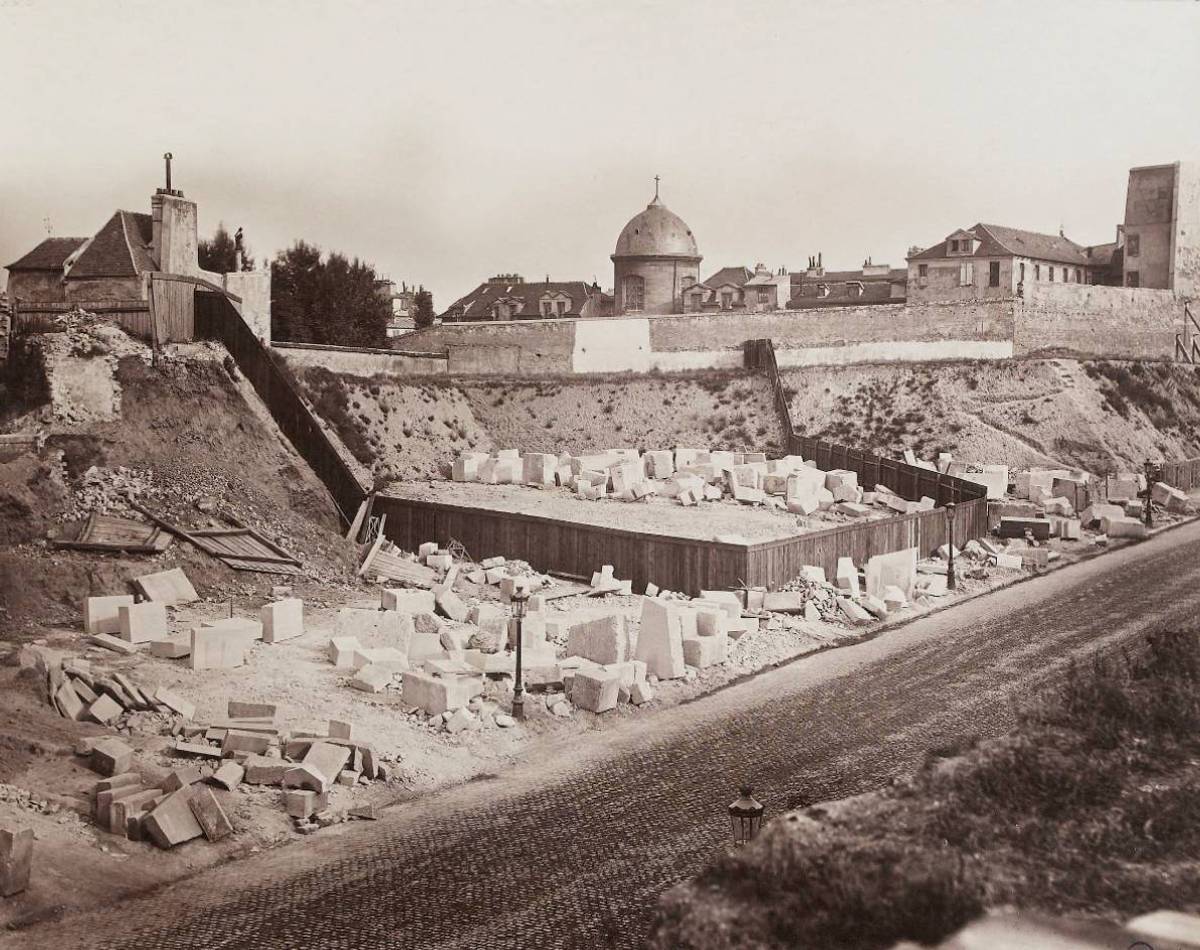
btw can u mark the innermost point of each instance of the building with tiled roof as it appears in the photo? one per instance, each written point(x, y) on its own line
point(871, 284)
point(509, 297)
point(991, 261)
point(118, 263)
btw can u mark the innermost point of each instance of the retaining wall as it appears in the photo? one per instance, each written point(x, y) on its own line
point(1110, 322)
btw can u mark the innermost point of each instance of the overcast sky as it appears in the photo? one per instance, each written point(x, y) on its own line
point(448, 141)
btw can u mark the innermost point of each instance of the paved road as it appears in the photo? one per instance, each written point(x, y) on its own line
point(573, 849)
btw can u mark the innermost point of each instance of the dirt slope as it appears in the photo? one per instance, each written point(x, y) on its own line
point(1095, 415)
point(408, 430)
point(185, 436)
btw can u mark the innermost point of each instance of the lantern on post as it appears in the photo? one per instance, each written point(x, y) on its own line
point(520, 600)
point(951, 577)
point(1150, 479)
point(745, 816)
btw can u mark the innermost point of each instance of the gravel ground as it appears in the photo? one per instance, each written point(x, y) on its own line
point(655, 515)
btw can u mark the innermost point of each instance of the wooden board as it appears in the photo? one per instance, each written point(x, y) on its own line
point(111, 533)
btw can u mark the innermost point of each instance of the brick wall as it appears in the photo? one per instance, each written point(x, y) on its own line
point(1113, 322)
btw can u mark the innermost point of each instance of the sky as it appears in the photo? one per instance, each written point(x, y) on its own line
point(448, 141)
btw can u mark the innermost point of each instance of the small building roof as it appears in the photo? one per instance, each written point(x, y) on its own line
point(51, 254)
point(120, 249)
point(730, 275)
point(998, 241)
point(530, 295)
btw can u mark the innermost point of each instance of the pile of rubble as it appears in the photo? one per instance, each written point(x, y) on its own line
point(109, 491)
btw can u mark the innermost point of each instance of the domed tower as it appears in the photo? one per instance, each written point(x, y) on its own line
point(656, 257)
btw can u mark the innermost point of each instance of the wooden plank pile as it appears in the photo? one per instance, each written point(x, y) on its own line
point(241, 548)
point(102, 532)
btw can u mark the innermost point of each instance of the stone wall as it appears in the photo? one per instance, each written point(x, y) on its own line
point(1187, 231)
point(362, 362)
point(546, 346)
point(1111, 322)
point(254, 287)
point(834, 326)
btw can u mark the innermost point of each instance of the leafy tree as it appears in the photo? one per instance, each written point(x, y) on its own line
point(219, 255)
point(330, 300)
point(423, 309)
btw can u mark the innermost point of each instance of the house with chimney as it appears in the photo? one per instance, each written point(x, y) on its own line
point(118, 263)
point(510, 297)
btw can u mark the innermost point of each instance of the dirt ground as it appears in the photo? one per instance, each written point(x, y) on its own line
point(703, 521)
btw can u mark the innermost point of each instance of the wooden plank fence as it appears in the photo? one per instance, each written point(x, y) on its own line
point(217, 318)
point(1183, 475)
point(131, 315)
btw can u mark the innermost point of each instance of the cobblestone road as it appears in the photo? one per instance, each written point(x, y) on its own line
point(572, 848)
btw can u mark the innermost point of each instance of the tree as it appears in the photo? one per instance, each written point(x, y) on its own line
point(329, 300)
point(220, 254)
point(423, 309)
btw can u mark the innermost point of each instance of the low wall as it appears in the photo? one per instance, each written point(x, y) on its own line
point(361, 361)
point(835, 326)
point(546, 346)
point(1087, 320)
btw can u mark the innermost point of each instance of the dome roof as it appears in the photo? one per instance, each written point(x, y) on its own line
point(656, 232)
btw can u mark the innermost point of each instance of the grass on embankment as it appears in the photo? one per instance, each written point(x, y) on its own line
point(1090, 807)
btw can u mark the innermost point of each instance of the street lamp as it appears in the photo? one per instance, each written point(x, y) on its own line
point(745, 816)
point(520, 600)
point(951, 578)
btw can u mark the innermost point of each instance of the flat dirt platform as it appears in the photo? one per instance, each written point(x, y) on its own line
point(656, 515)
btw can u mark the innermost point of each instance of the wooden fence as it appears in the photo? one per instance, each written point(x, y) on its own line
point(216, 318)
point(1182, 475)
point(131, 315)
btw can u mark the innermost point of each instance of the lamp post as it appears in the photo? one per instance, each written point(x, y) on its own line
point(745, 816)
point(1149, 467)
point(951, 578)
point(520, 600)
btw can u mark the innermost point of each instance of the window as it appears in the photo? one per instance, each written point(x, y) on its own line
point(561, 307)
point(1133, 279)
point(762, 295)
point(994, 274)
point(547, 308)
point(1022, 278)
point(1133, 245)
point(954, 247)
point(922, 270)
point(727, 300)
point(1051, 270)
point(635, 292)
point(966, 275)
point(1037, 271)
point(1078, 276)
point(697, 301)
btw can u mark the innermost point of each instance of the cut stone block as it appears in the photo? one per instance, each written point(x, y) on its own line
point(710, 623)
point(304, 803)
point(1124, 527)
point(202, 749)
point(1016, 528)
point(843, 484)
point(373, 678)
point(102, 614)
point(342, 651)
point(660, 464)
point(852, 509)
point(595, 690)
point(122, 810)
point(105, 710)
point(172, 700)
point(16, 860)
point(897, 569)
point(435, 695)
point(172, 648)
point(539, 469)
point(374, 627)
point(600, 639)
point(408, 601)
point(229, 776)
point(327, 759)
point(660, 639)
point(307, 776)
point(640, 693)
point(853, 612)
point(894, 599)
point(69, 703)
point(847, 577)
point(262, 770)
point(282, 620)
point(450, 605)
point(214, 648)
point(142, 623)
point(209, 814)
point(701, 652)
point(169, 588)
point(171, 822)
point(1093, 514)
point(237, 740)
